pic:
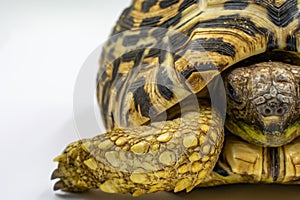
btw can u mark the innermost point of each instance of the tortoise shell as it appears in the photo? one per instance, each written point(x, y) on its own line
point(161, 51)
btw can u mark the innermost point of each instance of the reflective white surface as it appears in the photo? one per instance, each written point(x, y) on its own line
point(43, 45)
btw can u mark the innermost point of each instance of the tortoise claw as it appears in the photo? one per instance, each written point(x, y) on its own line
point(59, 186)
point(56, 174)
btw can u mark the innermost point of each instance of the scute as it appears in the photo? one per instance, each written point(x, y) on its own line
point(162, 51)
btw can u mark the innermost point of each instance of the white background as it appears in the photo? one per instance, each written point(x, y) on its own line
point(43, 45)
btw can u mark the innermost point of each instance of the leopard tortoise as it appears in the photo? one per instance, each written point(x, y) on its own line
point(194, 93)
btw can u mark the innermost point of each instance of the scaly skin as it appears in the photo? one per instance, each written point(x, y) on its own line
point(169, 156)
point(263, 103)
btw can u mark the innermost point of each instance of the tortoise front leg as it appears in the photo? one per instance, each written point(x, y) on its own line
point(164, 156)
point(242, 162)
point(291, 152)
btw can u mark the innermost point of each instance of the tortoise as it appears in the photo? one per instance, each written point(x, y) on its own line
point(194, 93)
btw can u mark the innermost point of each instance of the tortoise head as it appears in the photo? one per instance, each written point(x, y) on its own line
point(263, 103)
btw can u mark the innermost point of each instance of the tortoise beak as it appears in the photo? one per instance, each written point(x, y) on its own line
point(273, 126)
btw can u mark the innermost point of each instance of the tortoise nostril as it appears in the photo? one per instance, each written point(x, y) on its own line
point(272, 111)
point(279, 111)
point(267, 111)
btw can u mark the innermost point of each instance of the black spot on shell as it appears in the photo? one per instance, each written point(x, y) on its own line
point(130, 40)
point(114, 38)
point(177, 40)
point(291, 43)
point(151, 21)
point(172, 21)
point(135, 56)
point(272, 42)
point(177, 57)
point(188, 72)
point(200, 67)
point(189, 20)
point(116, 65)
point(159, 33)
point(165, 92)
point(111, 54)
point(128, 57)
point(144, 33)
point(206, 66)
point(291, 40)
point(162, 56)
point(102, 76)
point(147, 4)
point(235, 5)
point(153, 53)
point(128, 22)
point(138, 57)
point(164, 83)
point(167, 3)
point(142, 101)
point(186, 3)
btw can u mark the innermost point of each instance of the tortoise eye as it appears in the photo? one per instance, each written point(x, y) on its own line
point(231, 90)
point(234, 93)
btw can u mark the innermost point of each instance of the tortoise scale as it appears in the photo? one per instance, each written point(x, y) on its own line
point(194, 93)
